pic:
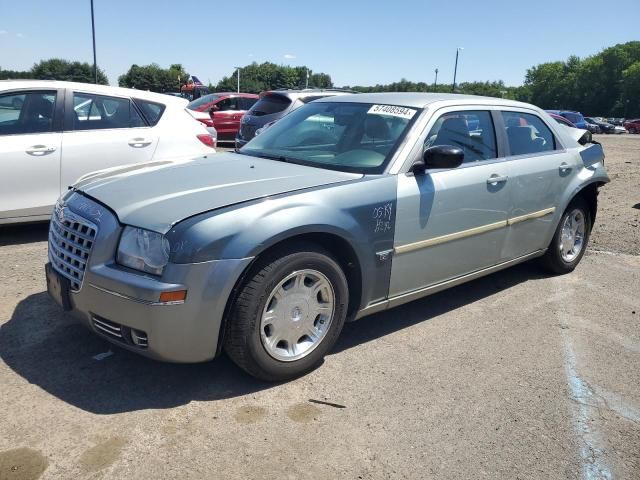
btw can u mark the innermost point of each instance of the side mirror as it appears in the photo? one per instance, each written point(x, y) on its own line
point(213, 109)
point(439, 156)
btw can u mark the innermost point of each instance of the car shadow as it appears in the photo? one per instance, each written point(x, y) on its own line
point(24, 233)
point(50, 349)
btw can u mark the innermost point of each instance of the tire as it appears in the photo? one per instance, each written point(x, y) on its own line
point(632, 131)
point(295, 273)
point(554, 260)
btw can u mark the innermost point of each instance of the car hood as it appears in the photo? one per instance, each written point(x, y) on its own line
point(157, 195)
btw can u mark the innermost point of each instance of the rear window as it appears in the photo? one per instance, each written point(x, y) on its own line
point(270, 104)
point(572, 117)
point(199, 102)
point(152, 111)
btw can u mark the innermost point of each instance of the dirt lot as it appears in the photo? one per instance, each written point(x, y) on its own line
point(516, 375)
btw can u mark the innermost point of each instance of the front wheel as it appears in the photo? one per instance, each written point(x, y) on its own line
point(288, 314)
point(570, 239)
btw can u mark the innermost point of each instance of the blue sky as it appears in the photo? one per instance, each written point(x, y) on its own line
point(356, 42)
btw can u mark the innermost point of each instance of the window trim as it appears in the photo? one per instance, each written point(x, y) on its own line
point(69, 112)
point(58, 109)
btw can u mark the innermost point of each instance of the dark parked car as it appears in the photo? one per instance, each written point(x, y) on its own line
point(226, 110)
point(574, 117)
point(632, 126)
point(275, 104)
point(605, 127)
point(563, 121)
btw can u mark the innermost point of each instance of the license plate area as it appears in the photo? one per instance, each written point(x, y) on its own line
point(58, 287)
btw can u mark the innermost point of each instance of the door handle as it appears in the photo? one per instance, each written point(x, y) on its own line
point(564, 167)
point(495, 179)
point(139, 142)
point(40, 150)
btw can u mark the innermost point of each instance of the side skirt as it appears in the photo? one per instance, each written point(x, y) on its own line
point(438, 287)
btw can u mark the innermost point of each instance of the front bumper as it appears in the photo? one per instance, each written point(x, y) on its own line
point(120, 305)
point(123, 305)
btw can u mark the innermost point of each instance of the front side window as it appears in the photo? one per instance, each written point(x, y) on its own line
point(97, 112)
point(27, 112)
point(202, 101)
point(353, 137)
point(470, 130)
point(225, 104)
point(527, 134)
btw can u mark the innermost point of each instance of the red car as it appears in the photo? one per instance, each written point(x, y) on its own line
point(226, 109)
point(632, 126)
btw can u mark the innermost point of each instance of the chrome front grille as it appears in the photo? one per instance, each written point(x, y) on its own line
point(71, 239)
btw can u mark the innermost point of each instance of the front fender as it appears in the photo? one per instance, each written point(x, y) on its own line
point(361, 213)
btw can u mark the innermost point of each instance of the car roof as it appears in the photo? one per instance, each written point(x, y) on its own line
point(93, 88)
point(421, 99)
point(296, 93)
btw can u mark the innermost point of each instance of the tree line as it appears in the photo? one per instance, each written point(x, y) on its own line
point(607, 83)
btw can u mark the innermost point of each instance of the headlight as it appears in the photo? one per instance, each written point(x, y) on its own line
point(143, 250)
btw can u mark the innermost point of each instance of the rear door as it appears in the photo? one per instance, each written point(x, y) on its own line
point(30, 141)
point(103, 131)
point(540, 169)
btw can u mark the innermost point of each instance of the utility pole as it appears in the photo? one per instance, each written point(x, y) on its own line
point(455, 70)
point(307, 84)
point(238, 73)
point(435, 82)
point(93, 33)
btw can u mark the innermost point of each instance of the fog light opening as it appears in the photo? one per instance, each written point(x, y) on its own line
point(139, 338)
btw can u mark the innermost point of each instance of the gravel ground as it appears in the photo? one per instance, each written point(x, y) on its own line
point(517, 375)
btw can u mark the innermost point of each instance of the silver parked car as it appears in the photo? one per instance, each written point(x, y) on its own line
point(349, 205)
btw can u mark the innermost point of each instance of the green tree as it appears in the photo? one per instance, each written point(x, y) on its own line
point(59, 69)
point(14, 74)
point(255, 78)
point(154, 78)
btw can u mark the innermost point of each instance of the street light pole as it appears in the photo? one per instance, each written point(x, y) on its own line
point(238, 73)
point(455, 70)
point(435, 83)
point(93, 34)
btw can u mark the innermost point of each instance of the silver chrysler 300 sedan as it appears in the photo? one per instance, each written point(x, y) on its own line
point(348, 206)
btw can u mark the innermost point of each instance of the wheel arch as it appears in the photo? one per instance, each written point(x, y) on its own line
point(589, 193)
point(338, 246)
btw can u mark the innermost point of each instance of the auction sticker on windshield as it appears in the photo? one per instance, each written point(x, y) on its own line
point(393, 111)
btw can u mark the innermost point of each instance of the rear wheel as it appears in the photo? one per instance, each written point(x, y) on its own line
point(288, 314)
point(570, 239)
point(633, 130)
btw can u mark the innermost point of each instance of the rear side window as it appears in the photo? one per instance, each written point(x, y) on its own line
point(152, 111)
point(470, 130)
point(527, 134)
point(246, 103)
point(27, 112)
point(270, 104)
point(99, 112)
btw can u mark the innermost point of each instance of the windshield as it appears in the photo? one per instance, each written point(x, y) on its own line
point(352, 137)
point(202, 101)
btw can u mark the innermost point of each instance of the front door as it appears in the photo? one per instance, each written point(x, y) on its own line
point(30, 141)
point(451, 222)
point(226, 119)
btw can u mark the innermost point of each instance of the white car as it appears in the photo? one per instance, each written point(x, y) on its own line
point(52, 133)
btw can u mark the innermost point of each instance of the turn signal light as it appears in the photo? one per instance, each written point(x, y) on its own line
point(175, 296)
